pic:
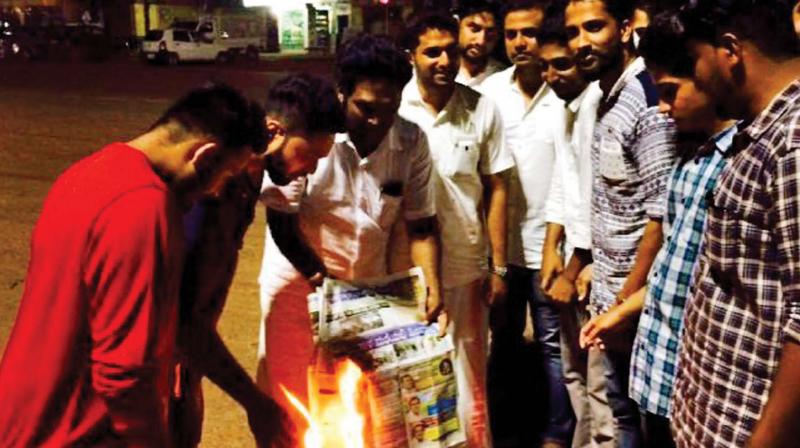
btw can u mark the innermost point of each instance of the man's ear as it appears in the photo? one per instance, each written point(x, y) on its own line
point(202, 151)
point(276, 132)
point(730, 50)
point(626, 32)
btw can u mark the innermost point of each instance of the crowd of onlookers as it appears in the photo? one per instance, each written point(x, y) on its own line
point(627, 187)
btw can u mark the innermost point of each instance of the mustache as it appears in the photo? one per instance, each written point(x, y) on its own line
point(585, 52)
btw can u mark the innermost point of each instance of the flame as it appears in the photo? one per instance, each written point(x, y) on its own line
point(313, 435)
point(352, 423)
point(339, 423)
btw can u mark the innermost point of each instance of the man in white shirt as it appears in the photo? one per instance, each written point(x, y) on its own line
point(337, 221)
point(467, 144)
point(568, 215)
point(530, 111)
point(478, 35)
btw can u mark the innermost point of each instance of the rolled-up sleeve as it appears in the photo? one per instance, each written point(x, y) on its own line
point(283, 198)
point(654, 154)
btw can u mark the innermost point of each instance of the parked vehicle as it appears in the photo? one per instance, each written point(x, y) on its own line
point(219, 37)
point(172, 46)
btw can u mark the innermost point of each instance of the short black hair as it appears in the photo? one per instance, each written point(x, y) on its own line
point(222, 113)
point(766, 23)
point(620, 10)
point(467, 8)
point(371, 57)
point(553, 29)
point(419, 25)
point(306, 103)
point(663, 46)
point(519, 5)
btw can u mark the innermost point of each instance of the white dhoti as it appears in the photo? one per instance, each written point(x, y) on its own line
point(469, 329)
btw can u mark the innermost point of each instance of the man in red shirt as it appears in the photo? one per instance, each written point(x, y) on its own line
point(89, 360)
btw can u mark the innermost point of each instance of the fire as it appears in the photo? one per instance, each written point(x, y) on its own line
point(335, 422)
point(313, 436)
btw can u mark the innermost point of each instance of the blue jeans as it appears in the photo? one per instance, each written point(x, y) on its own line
point(626, 412)
point(508, 325)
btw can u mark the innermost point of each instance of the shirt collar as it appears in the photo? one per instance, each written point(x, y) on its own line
point(724, 139)
point(769, 116)
point(343, 138)
point(510, 76)
point(575, 104)
point(633, 69)
point(413, 97)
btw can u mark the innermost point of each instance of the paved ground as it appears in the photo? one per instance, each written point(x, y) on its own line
point(52, 114)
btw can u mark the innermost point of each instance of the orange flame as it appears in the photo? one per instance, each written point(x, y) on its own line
point(313, 435)
point(322, 429)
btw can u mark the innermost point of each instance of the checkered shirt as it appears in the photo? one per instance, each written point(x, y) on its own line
point(655, 350)
point(747, 302)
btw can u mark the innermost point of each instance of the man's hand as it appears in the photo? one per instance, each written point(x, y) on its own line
point(270, 424)
point(563, 290)
point(552, 267)
point(434, 312)
point(497, 290)
point(317, 279)
point(597, 331)
point(583, 284)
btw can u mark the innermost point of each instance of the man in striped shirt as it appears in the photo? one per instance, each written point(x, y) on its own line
point(632, 150)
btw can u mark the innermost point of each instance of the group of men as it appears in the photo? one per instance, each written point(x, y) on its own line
point(631, 179)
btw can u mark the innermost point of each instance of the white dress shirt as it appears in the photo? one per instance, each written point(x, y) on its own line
point(476, 82)
point(530, 137)
point(466, 141)
point(570, 199)
point(348, 206)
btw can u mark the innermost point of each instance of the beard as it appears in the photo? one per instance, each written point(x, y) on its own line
point(605, 61)
point(276, 168)
point(469, 54)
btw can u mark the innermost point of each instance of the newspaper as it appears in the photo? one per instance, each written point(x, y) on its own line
point(412, 387)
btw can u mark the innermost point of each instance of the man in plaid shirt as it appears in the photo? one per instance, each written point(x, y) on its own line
point(739, 380)
point(661, 304)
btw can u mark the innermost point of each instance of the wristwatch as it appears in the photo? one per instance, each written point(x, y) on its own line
point(500, 271)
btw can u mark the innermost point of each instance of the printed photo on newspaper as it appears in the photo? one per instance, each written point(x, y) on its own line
point(411, 390)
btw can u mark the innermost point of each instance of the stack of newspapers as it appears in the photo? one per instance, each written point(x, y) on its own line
point(411, 392)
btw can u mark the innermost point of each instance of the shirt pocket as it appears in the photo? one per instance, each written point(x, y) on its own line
point(612, 164)
point(465, 155)
point(389, 209)
point(740, 236)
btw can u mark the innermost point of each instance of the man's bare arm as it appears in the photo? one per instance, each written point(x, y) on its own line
point(285, 229)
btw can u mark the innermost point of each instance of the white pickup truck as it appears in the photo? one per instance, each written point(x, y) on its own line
point(216, 38)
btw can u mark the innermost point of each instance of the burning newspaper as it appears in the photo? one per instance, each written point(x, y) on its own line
point(411, 388)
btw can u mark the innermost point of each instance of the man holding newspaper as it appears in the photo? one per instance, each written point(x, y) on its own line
point(337, 221)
